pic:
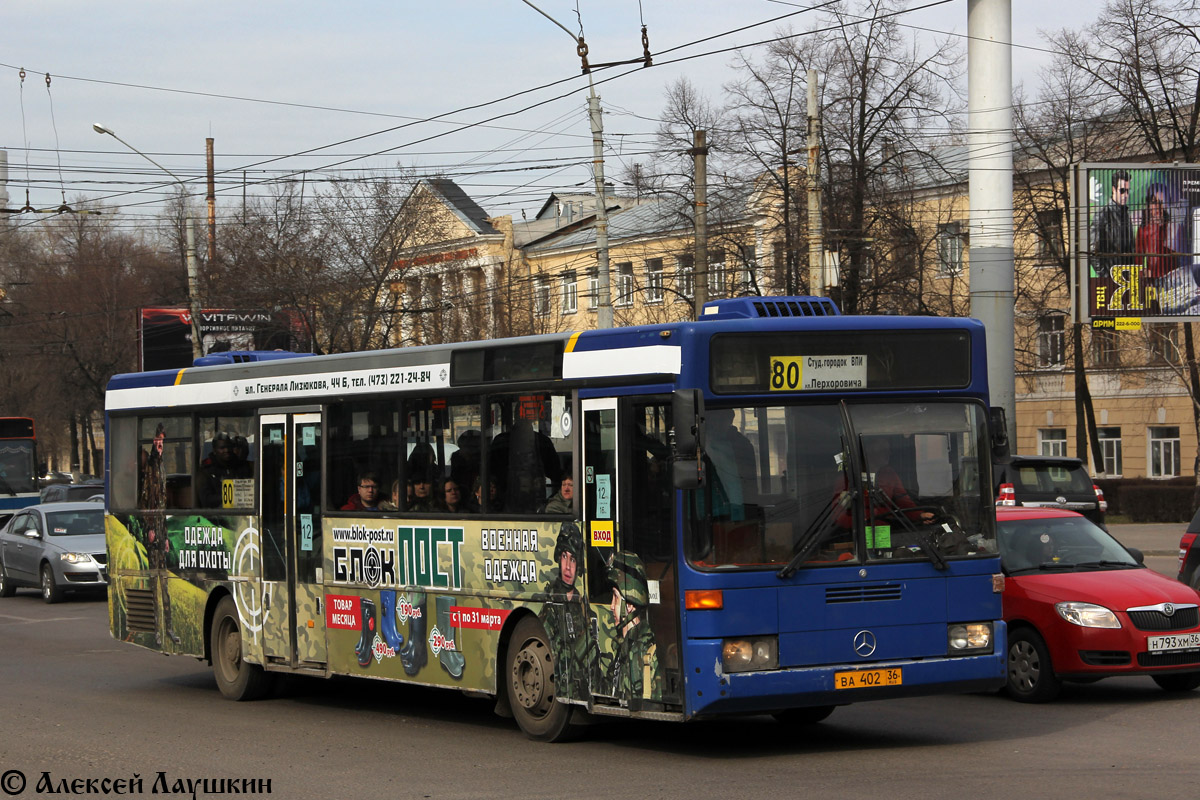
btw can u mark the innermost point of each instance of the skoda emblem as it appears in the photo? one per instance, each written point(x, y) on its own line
point(864, 643)
point(1062, 501)
point(1168, 609)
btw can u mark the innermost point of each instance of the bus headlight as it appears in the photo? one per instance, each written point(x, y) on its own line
point(746, 655)
point(973, 638)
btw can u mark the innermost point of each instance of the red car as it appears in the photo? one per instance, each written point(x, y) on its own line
point(1080, 606)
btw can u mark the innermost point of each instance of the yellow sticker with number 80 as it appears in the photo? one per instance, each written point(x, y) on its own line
point(787, 374)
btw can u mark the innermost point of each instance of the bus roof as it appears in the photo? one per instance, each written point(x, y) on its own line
point(639, 354)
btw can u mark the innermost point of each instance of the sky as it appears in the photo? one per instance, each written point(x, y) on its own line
point(303, 90)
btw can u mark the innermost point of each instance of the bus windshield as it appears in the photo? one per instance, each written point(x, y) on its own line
point(800, 486)
point(16, 467)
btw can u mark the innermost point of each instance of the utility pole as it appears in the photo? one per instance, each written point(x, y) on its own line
point(604, 310)
point(816, 236)
point(990, 187)
point(699, 154)
point(212, 206)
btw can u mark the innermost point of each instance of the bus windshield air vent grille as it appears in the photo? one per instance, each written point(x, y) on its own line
point(139, 610)
point(869, 593)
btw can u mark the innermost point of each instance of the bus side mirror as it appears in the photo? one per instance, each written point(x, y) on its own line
point(687, 416)
point(999, 426)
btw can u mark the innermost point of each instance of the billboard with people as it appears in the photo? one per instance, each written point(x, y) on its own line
point(166, 333)
point(1136, 231)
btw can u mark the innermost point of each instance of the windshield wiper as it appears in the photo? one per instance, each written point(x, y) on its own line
point(817, 532)
point(1106, 563)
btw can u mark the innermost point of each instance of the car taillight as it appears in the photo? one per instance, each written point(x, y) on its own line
point(1100, 498)
point(1007, 495)
point(1185, 544)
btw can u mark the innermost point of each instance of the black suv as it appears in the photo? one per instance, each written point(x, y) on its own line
point(69, 492)
point(1051, 481)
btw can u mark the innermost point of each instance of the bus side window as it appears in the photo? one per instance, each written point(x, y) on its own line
point(362, 437)
point(523, 457)
point(165, 462)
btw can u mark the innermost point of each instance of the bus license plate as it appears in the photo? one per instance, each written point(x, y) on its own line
point(867, 678)
point(1179, 641)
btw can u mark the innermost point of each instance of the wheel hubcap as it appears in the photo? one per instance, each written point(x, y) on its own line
point(231, 648)
point(1024, 667)
point(530, 673)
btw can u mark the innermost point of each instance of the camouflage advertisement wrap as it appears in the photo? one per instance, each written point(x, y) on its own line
point(398, 600)
point(170, 564)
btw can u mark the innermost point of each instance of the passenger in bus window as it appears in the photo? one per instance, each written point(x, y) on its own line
point(423, 499)
point(452, 497)
point(394, 503)
point(221, 464)
point(464, 462)
point(367, 496)
point(561, 502)
point(493, 496)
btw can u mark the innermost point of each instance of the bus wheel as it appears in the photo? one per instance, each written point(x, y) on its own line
point(530, 671)
point(236, 678)
point(803, 716)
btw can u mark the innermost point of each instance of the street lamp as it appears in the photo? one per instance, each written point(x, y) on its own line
point(192, 279)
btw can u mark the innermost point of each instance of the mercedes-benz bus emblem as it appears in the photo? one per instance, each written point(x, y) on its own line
point(864, 643)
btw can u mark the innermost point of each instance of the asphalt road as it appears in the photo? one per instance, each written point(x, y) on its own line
point(78, 705)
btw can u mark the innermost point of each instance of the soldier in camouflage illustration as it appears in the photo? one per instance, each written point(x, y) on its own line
point(633, 672)
point(569, 622)
point(153, 497)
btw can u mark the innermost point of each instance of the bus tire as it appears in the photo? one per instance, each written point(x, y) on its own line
point(529, 679)
point(7, 587)
point(1031, 677)
point(810, 715)
point(237, 678)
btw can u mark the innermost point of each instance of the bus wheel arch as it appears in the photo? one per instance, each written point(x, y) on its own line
point(237, 678)
point(528, 683)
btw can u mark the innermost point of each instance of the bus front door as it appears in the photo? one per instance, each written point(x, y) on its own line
point(628, 504)
point(290, 454)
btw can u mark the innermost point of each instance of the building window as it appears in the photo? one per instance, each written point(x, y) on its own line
point(1164, 451)
point(1049, 237)
point(685, 277)
point(1110, 451)
point(541, 295)
point(1052, 441)
point(1163, 340)
point(1104, 348)
point(950, 249)
point(570, 293)
point(624, 284)
point(1051, 341)
point(593, 290)
point(654, 280)
point(716, 272)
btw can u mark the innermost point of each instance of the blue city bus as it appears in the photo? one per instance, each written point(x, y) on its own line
point(18, 464)
point(776, 509)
